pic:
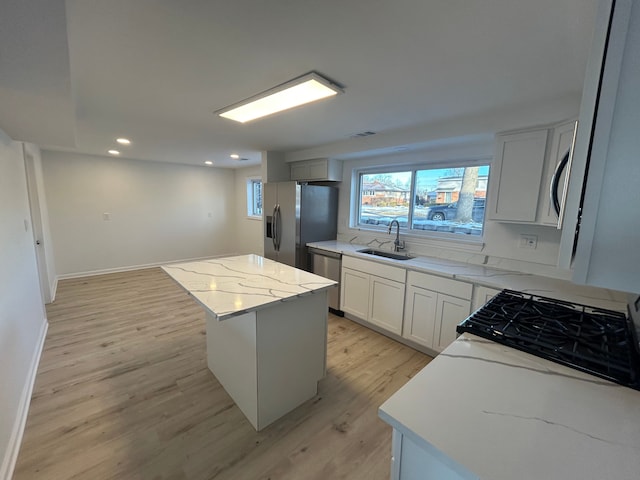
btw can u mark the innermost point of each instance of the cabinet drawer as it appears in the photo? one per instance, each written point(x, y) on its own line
point(396, 274)
point(440, 284)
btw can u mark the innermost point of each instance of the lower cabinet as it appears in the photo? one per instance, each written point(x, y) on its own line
point(434, 306)
point(482, 295)
point(410, 461)
point(373, 292)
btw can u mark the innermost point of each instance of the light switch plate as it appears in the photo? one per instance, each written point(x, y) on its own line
point(528, 241)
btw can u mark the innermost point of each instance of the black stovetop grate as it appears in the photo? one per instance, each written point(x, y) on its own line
point(593, 340)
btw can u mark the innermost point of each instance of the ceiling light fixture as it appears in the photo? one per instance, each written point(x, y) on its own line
point(208, 162)
point(235, 156)
point(113, 152)
point(299, 91)
point(123, 141)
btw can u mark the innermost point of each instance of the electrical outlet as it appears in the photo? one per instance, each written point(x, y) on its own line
point(106, 216)
point(528, 241)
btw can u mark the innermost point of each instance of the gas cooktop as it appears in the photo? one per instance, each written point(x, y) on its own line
point(596, 341)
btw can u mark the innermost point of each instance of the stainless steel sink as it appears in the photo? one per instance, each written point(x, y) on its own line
point(383, 253)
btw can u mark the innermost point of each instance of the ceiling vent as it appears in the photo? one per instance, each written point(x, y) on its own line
point(368, 133)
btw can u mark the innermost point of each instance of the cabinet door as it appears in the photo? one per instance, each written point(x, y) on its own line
point(449, 313)
point(387, 304)
point(300, 171)
point(482, 295)
point(354, 293)
point(560, 146)
point(516, 176)
point(420, 316)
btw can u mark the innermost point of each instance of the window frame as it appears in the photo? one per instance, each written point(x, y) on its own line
point(251, 204)
point(413, 168)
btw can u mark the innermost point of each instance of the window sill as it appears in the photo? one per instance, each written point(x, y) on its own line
point(250, 217)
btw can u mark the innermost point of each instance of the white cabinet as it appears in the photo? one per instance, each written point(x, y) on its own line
point(522, 174)
point(386, 300)
point(434, 306)
point(516, 175)
point(318, 169)
point(482, 295)
point(354, 295)
point(373, 292)
point(410, 461)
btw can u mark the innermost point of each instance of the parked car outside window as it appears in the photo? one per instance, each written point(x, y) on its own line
point(448, 211)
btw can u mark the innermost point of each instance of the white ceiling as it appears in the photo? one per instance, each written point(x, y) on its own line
point(75, 78)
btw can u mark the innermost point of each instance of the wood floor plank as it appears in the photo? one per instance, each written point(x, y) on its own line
point(123, 392)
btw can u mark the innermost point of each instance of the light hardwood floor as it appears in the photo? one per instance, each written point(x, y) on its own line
point(123, 392)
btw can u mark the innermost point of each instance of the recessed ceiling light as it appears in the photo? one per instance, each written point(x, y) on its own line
point(234, 155)
point(299, 91)
point(208, 162)
point(113, 152)
point(123, 141)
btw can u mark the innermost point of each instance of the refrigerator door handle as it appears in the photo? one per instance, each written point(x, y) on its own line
point(278, 222)
point(274, 228)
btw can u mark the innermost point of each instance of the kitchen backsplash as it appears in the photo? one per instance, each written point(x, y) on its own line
point(468, 253)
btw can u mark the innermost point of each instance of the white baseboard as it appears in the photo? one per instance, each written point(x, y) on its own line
point(11, 454)
point(129, 268)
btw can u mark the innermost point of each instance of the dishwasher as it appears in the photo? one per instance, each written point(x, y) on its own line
point(327, 264)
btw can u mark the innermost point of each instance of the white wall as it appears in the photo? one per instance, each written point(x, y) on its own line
point(22, 316)
point(249, 238)
point(158, 212)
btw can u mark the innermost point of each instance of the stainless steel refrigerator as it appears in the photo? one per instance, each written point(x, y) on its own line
point(294, 215)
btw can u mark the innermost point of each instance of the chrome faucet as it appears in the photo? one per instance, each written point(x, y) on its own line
point(397, 243)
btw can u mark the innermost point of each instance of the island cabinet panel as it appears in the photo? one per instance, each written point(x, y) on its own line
point(411, 461)
point(433, 307)
point(269, 361)
point(291, 355)
point(232, 358)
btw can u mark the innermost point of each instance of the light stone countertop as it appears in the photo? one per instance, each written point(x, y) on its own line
point(503, 414)
point(231, 286)
point(493, 277)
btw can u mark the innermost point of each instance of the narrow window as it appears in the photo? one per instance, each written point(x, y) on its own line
point(254, 198)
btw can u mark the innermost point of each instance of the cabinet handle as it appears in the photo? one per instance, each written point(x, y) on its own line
point(553, 188)
point(565, 187)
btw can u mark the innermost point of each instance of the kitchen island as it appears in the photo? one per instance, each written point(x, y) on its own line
point(481, 410)
point(266, 330)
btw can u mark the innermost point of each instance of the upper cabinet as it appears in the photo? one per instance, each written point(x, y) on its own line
point(525, 165)
point(516, 174)
point(319, 169)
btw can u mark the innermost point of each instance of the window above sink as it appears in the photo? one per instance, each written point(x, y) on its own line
point(447, 201)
